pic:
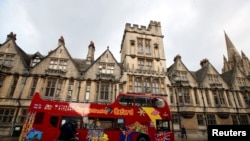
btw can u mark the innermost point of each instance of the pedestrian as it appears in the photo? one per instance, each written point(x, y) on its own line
point(123, 134)
point(68, 131)
point(183, 132)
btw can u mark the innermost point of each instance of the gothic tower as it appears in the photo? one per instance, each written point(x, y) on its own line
point(143, 59)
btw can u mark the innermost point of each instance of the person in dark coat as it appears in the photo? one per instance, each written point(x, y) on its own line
point(183, 132)
point(123, 134)
point(68, 131)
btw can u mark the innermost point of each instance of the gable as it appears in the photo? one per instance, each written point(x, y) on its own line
point(12, 57)
point(57, 62)
point(179, 72)
point(239, 79)
point(105, 64)
point(212, 78)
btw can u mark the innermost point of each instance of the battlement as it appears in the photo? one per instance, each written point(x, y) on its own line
point(154, 23)
point(154, 28)
point(135, 26)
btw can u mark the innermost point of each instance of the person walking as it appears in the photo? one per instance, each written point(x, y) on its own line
point(183, 132)
point(68, 131)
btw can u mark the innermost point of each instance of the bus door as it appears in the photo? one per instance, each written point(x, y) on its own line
point(53, 127)
point(81, 133)
point(163, 128)
point(40, 126)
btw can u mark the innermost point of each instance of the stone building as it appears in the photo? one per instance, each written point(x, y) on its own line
point(196, 98)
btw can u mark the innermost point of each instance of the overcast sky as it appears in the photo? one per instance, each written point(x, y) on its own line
point(193, 29)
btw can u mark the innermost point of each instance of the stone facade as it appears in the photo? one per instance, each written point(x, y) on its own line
point(196, 98)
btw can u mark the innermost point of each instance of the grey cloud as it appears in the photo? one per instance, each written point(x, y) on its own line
point(192, 28)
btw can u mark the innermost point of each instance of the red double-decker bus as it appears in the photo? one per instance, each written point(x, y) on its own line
point(131, 117)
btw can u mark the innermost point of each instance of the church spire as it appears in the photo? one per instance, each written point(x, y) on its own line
point(233, 54)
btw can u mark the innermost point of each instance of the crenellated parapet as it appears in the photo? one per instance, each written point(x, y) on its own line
point(154, 23)
point(154, 28)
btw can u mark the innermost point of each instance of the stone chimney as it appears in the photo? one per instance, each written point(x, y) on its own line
point(91, 51)
point(61, 41)
point(177, 57)
point(11, 36)
point(204, 62)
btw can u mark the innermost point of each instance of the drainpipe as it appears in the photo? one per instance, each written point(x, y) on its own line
point(204, 105)
point(177, 104)
point(236, 106)
point(175, 85)
point(100, 84)
point(79, 88)
point(25, 74)
point(114, 95)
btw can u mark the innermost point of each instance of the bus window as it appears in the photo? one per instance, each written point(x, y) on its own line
point(100, 123)
point(162, 125)
point(158, 103)
point(88, 123)
point(68, 118)
point(39, 118)
point(85, 122)
point(142, 101)
point(107, 123)
point(126, 100)
point(63, 121)
point(54, 121)
point(95, 129)
point(91, 123)
point(120, 123)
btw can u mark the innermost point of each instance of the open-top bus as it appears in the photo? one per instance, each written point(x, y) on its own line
point(131, 117)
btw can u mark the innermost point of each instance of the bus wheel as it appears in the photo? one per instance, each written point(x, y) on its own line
point(142, 138)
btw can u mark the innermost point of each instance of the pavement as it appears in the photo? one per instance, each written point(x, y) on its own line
point(189, 140)
point(8, 138)
point(192, 139)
